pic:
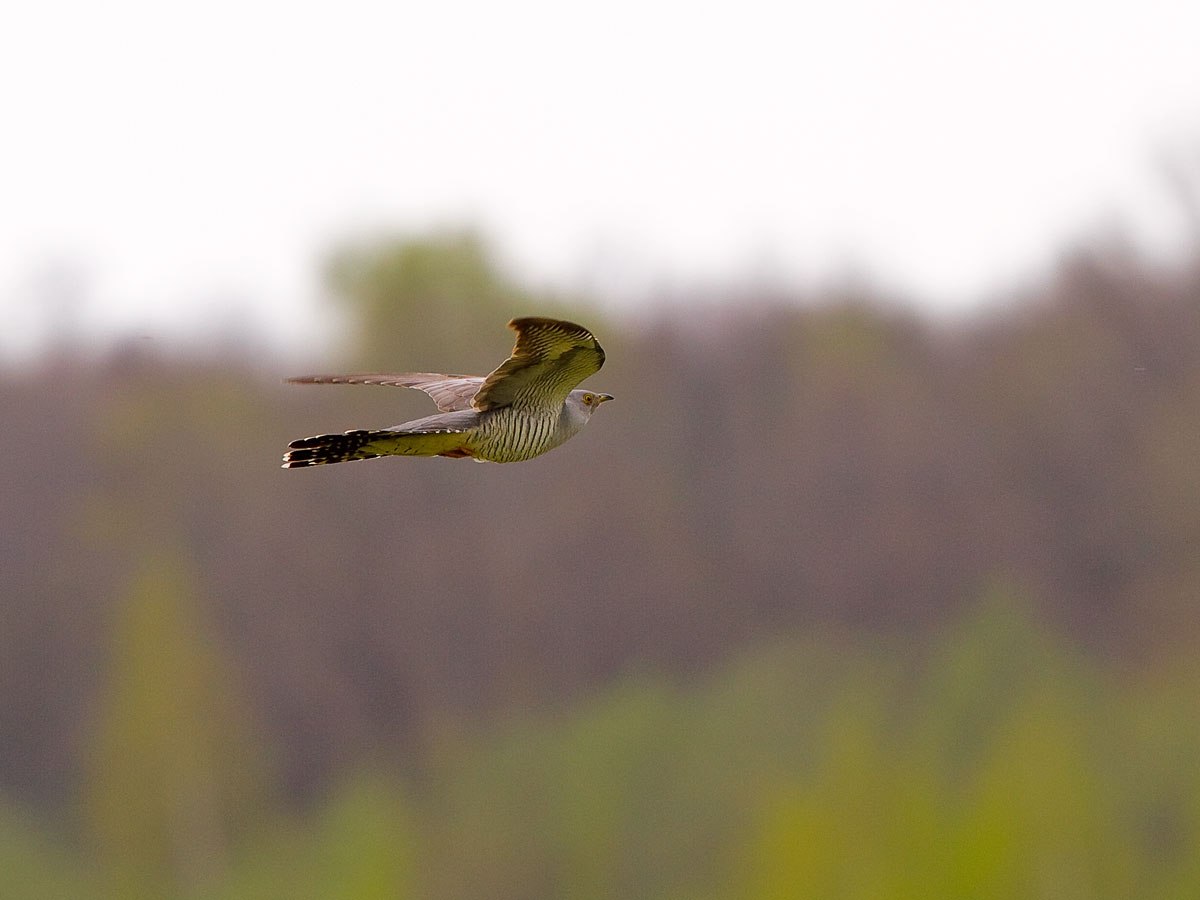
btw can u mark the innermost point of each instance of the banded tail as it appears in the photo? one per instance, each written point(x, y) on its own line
point(353, 445)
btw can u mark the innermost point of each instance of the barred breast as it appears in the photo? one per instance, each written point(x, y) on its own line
point(515, 434)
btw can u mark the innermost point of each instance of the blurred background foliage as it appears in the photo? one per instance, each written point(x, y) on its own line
point(834, 601)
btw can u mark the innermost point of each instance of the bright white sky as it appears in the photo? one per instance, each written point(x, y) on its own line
point(191, 163)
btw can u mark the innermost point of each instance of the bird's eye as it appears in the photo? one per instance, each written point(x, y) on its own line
point(588, 399)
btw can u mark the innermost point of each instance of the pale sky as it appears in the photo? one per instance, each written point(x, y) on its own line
point(188, 165)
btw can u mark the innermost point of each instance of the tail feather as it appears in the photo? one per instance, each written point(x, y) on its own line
point(329, 448)
point(324, 449)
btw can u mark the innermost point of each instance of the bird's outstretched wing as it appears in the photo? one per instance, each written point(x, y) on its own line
point(450, 392)
point(551, 357)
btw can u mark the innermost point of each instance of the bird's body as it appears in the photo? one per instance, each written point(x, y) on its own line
point(513, 434)
point(527, 406)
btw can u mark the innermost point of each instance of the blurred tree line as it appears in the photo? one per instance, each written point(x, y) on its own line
point(833, 600)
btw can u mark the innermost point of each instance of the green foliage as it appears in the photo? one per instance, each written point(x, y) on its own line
point(360, 845)
point(1005, 767)
point(1002, 765)
point(173, 773)
point(1010, 775)
point(33, 866)
point(364, 843)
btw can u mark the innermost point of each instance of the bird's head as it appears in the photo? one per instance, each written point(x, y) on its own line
point(587, 402)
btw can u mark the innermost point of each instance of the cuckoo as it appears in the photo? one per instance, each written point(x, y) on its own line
point(527, 406)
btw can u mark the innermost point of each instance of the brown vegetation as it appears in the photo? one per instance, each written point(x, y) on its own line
point(842, 466)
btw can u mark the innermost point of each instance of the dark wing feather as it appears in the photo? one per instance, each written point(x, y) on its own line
point(450, 392)
point(550, 358)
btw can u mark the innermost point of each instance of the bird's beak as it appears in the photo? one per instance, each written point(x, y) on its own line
point(603, 397)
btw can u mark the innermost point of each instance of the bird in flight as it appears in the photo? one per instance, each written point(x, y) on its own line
point(527, 406)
